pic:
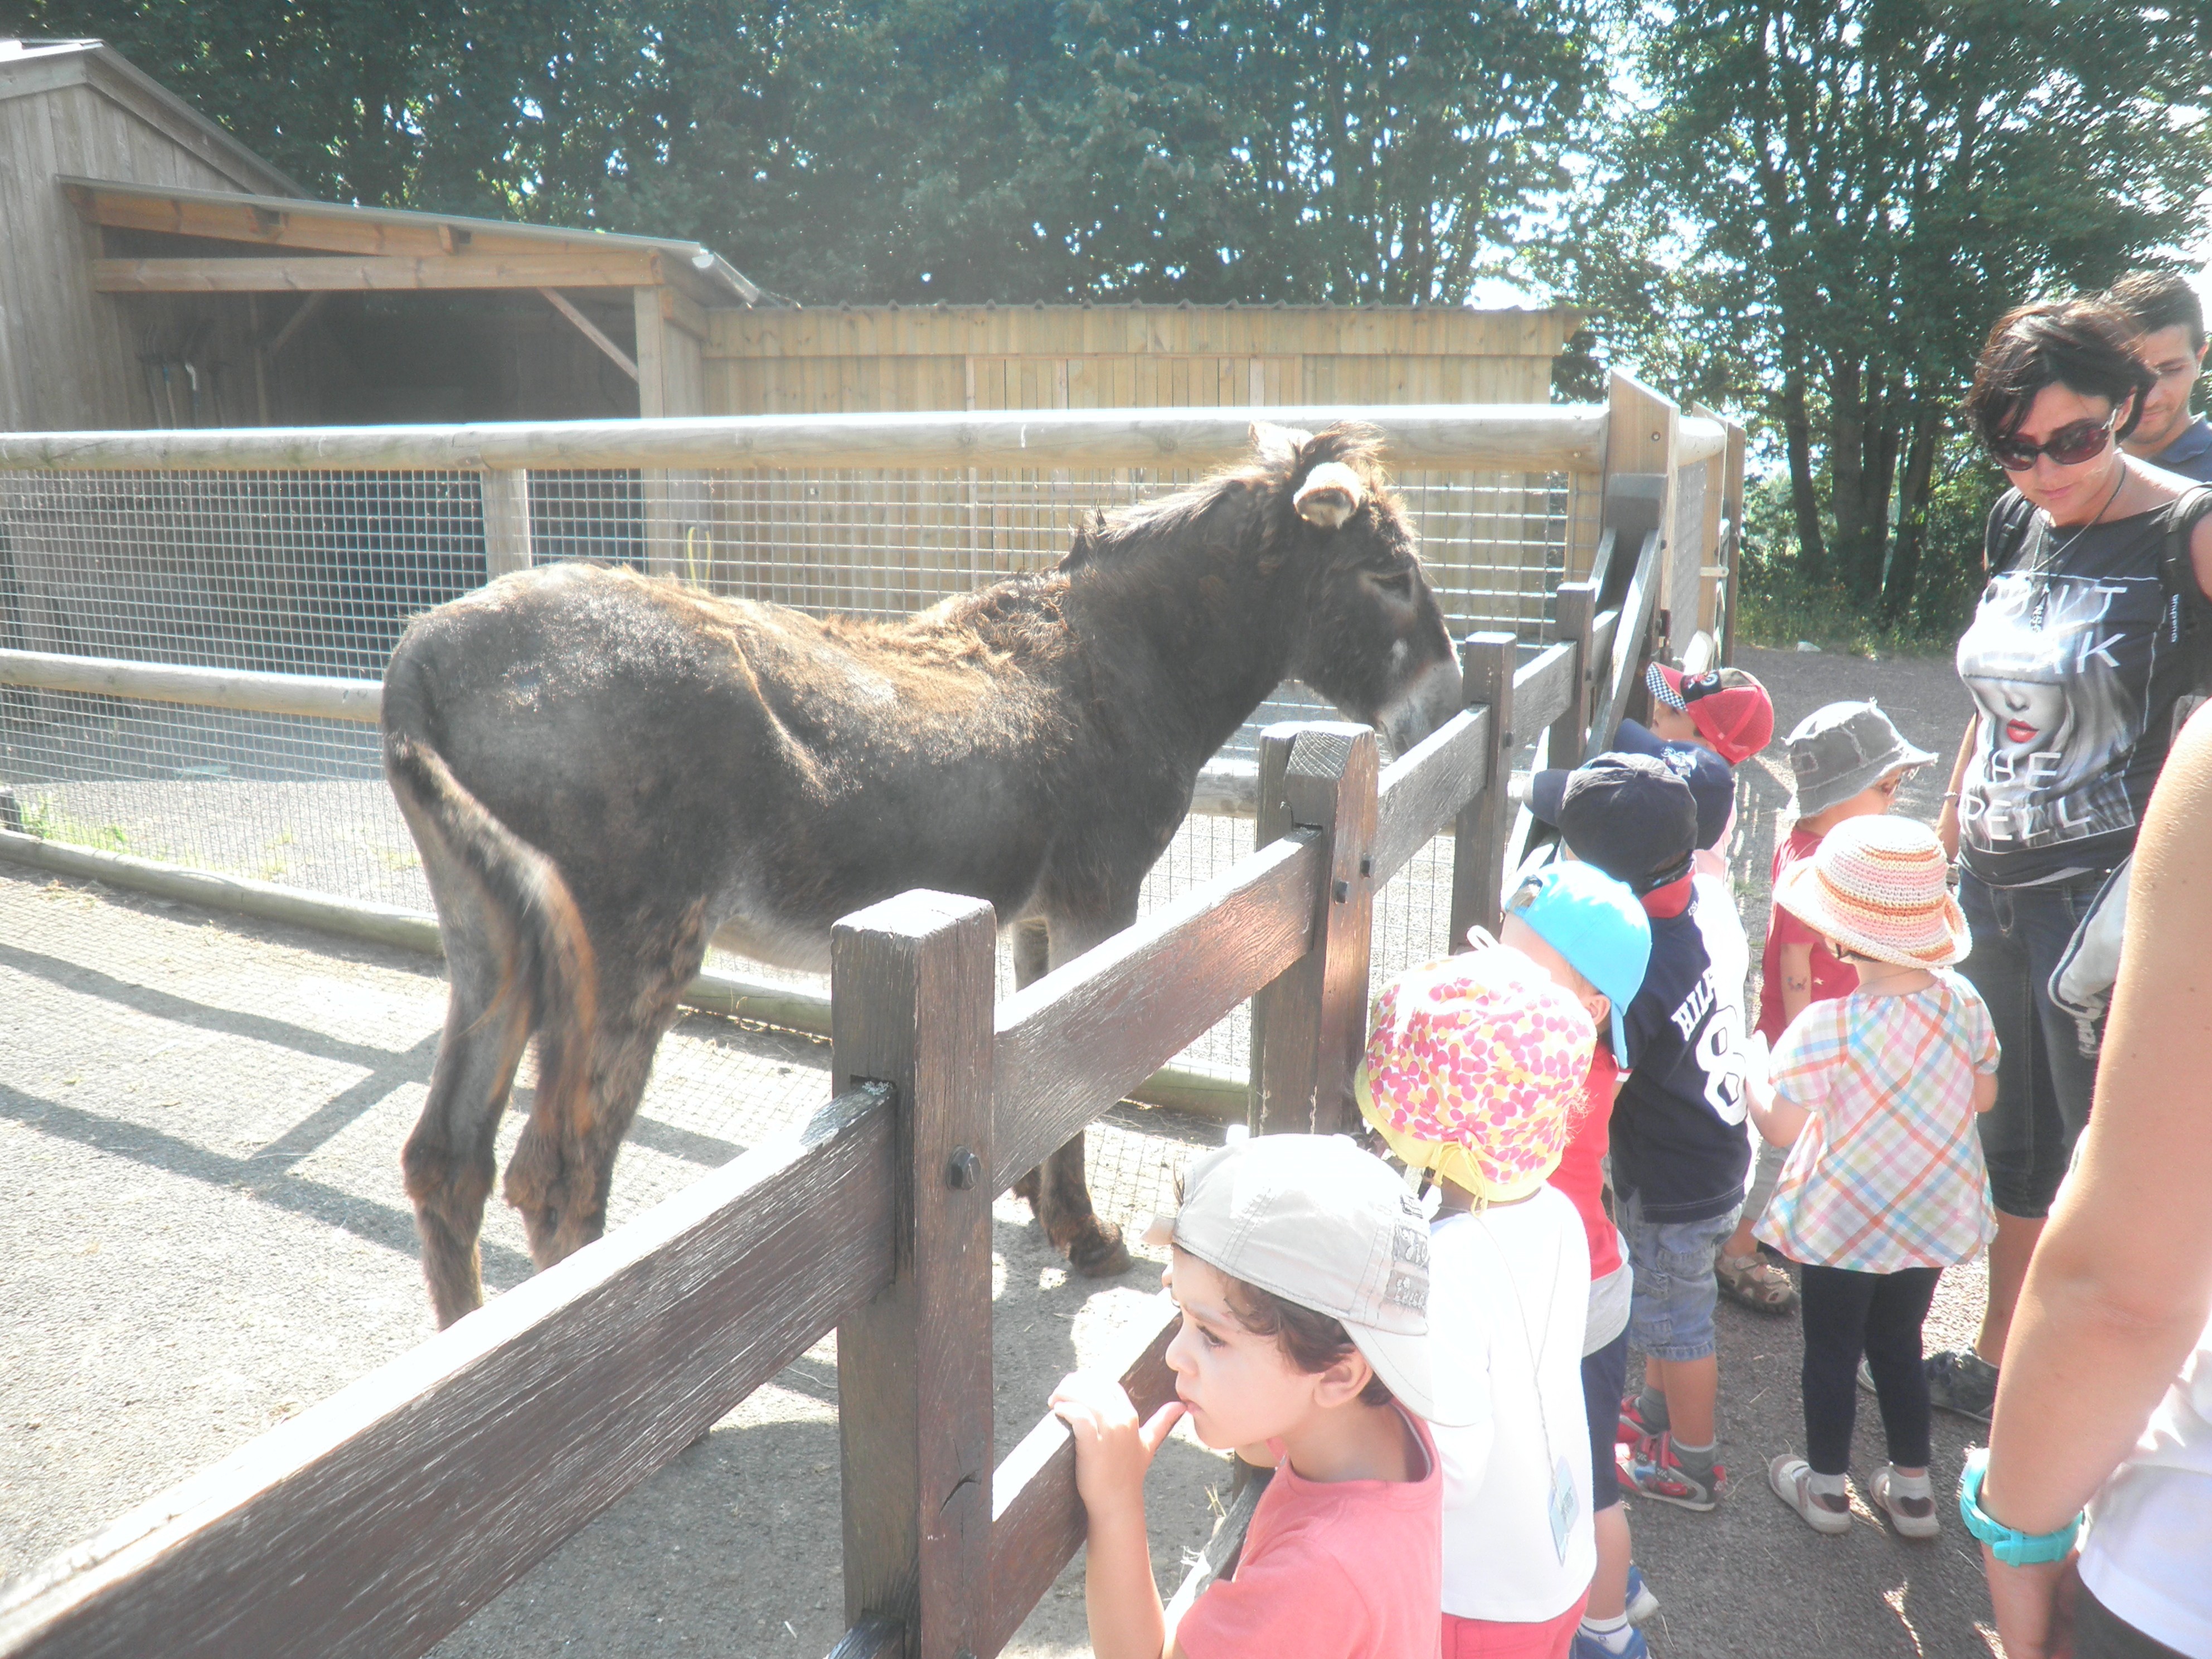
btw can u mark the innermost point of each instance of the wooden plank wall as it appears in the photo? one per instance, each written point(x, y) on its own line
point(889, 542)
point(848, 360)
point(69, 356)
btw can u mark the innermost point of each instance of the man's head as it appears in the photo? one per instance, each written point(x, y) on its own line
point(2168, 321)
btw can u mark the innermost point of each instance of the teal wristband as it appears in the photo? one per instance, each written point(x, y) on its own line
point(2009, 1545)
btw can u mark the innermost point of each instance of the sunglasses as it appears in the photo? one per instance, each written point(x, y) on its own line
point(2070, 446)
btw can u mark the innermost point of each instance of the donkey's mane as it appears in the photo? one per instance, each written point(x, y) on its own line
point(1244, 486)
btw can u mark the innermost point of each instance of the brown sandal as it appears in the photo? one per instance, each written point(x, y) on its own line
point(1756, 1282)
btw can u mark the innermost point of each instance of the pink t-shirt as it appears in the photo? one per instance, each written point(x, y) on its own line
point(1336, 1570)
point(1581, 1174)
point(1830, 979)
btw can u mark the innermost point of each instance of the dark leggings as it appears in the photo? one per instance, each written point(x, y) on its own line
point(1880, 1315)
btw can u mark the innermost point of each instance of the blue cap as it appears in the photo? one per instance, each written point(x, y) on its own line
point(1712, 779)
point(1597, 924)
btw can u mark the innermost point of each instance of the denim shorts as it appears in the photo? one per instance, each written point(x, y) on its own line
point(1671, 1314)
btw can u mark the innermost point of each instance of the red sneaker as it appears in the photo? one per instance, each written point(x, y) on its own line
point(1654, 1470)
point(1633, 1430)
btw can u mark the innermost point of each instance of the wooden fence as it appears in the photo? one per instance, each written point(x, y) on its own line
point(379, 1520)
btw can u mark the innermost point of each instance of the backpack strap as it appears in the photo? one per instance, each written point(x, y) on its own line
point(2176, 570)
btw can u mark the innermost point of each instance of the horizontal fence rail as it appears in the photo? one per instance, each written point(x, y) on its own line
point(1502, 437)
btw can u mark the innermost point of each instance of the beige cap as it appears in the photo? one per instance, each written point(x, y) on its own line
point(1315, 1221)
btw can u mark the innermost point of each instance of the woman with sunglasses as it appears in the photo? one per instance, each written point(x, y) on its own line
point(2079, 659)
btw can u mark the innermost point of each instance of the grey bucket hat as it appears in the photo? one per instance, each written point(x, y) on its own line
point(1839, 750)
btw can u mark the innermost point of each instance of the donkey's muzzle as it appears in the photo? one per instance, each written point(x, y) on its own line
point(1431, 698)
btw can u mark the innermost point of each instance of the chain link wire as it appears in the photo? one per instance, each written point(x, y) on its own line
point(318, 571)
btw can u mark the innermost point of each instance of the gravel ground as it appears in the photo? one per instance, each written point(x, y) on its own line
point(204, 1116)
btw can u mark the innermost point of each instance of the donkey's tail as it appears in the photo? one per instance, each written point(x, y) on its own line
point(531, 924)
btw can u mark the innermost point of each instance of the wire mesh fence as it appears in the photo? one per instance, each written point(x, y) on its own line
point(318, 571)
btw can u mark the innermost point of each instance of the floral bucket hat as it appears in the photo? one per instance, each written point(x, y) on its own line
point(1473, 1067)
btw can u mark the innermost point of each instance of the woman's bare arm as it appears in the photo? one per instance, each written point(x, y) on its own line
point(2122, 1279)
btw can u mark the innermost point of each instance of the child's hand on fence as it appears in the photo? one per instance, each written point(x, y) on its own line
point(1113, 1448)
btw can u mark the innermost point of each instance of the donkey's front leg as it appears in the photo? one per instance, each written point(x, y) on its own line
point(1060, 1192)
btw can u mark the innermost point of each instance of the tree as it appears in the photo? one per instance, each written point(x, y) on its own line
point(925, 150)
point(1822, 205)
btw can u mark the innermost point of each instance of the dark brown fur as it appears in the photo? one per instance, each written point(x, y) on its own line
point(605, 771)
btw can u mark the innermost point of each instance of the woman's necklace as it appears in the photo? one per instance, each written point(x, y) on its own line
point(2047, 557)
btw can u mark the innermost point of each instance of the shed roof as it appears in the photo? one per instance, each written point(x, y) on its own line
point(28, 67)
point(392, 247)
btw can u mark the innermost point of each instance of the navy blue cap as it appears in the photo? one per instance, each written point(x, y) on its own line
point(1712, 779)
point(1632, 816)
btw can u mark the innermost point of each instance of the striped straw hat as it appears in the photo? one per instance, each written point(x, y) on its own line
point(1876, 887)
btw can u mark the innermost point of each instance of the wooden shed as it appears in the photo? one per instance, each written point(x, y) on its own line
point(158, 273)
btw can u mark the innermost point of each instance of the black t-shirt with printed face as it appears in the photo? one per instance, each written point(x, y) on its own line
point(2075, 658)
point(1679, 1141)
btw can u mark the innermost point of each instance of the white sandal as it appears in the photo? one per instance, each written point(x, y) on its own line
point(1792, 1477)
point(1910, 1522)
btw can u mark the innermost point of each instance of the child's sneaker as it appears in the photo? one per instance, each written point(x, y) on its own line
point(1912, 1512)
point(1587, 1644)
point(1792, 1477)
point(1961, 1380)
point(1635, 1427)
point(1656, 1469)
point(1642, 1603)
point(1958, 1379)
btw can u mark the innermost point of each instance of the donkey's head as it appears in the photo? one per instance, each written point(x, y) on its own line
point(1369, 635)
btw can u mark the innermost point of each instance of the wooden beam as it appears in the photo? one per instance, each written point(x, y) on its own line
point(1037, 1520)
point(298, 321)
point(1513, 438)
point(314, 227)
point(590, 330)
point(379, 1519)
point(1071, 1044)
point(375, 273)
point(685, 312)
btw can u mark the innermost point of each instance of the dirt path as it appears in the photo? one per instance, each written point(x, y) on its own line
point(200, 1120)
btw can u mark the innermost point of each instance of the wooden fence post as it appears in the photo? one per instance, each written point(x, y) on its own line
point(1310, 1024)
point(1576, 610)
point(912, 983)
point(505, 520)
point(1479, 837)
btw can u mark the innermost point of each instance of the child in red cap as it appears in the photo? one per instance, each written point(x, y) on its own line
point(1726, 710)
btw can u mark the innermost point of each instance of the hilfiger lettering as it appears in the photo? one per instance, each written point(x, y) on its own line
point(1695, 1007)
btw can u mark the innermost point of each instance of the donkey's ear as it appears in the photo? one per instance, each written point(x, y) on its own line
point(1278, 445)
point(1331, 494)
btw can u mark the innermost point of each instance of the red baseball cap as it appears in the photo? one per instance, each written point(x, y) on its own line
point(1731, 709)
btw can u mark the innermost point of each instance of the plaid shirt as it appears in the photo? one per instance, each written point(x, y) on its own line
point(1888, 1172)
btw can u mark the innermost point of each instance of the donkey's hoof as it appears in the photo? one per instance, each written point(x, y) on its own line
point(1098, 1252)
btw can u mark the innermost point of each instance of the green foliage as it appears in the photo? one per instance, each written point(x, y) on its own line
point(1779, 603)
point(1823, 204)
point(926, 149)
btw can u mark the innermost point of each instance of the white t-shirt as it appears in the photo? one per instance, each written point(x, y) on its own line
point(2150, 1525)
point(1509, 1292)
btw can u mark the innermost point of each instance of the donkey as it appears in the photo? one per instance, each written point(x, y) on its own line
point(606, 771)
